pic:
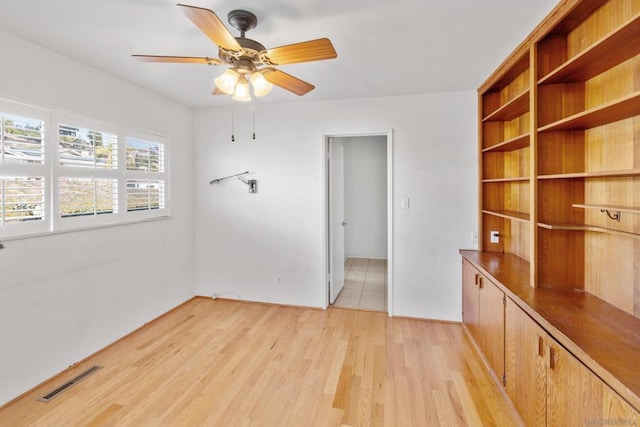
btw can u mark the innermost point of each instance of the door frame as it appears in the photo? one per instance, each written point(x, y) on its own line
point(325, 212)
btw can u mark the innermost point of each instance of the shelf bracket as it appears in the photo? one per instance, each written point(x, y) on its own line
point(614, 216)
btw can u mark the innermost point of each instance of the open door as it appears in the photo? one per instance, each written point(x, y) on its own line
point(336, 218)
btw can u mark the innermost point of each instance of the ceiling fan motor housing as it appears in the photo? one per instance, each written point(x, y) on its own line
point(242, 20)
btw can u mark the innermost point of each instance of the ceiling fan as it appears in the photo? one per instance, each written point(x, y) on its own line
point(249, 60)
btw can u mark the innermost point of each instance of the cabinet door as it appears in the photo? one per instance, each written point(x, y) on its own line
point(491, 324)
point(470, 299)
point(576, 396)
point(525, 368)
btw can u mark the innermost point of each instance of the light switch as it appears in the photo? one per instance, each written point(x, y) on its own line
point(495, 237)
point(404, 203)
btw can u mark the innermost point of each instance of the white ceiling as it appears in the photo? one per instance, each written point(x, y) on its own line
point(384, 48)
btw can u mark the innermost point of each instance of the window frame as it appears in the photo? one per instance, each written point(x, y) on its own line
point(51, 170)
point(23, 170)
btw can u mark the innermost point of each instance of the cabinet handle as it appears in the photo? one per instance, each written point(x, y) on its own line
point(480, 283)
point(552, 358)
point(540, 346)
point(477, 276)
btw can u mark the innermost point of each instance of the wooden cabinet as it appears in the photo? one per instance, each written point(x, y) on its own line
point(549, 386)
point(483, 315)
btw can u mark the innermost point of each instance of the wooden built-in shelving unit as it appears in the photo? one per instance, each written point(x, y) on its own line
point(559, 162)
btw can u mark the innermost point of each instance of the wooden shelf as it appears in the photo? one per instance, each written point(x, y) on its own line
point(600, 174)
point(610, 112)
point(512, 109)
point(586, 227)
point(621, 44)
point(517, 179)
point(517, 216)
point(628, 209)
point(512, 144)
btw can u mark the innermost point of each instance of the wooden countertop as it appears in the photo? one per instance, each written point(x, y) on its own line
point(605, 338)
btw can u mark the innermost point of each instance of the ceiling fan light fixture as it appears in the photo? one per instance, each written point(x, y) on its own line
point(261, 86)
point(227, 81)
point(242, 90)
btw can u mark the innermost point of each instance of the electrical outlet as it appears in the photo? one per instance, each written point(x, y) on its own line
point(474, 237)
point(279, 280)
point(495, 237)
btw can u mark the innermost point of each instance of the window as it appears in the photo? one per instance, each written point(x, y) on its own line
point(61, 172)
point(21, 139)
point(88, 185)
point(87, 148)
point(23, 190)
point(146, 175)
point(88, 196)
point(22, 199)
point(144, 195)
point(145, 156)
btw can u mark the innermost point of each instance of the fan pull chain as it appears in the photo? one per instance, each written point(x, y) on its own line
point(253, 121)
point(233, 137)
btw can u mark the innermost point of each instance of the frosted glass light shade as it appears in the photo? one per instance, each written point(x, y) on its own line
point(242, 91)
point(261, 86)
point(227, 81)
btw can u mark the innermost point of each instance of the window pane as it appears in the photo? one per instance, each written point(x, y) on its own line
point(144, 195)
point(87, 148)
point(22, 199)
point(21, 139)
point(87, 196)
point(145, 156)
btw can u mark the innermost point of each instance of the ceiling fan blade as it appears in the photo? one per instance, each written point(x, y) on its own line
point(211, 25)
point(178, 59)
point(287, 81)
point(312, 50)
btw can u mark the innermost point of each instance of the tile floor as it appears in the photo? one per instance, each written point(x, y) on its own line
point(365, 285)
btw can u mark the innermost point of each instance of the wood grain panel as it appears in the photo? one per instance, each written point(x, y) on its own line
point(610, 274)
point(560, 259)
point(525, 368)
point(607, 147)
point(470, 297)
point(555, 102)
point(552, 52)
point(492, 133)
point(561, 152)
point(572, 395)
point(491, 325)
point(610, 85)
point(556, 199)
point(601, 22)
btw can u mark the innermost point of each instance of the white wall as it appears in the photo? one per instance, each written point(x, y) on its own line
point(245, 240)
point(365, 195)
point(63, 297)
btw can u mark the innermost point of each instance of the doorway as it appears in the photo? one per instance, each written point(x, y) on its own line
point(359, 232)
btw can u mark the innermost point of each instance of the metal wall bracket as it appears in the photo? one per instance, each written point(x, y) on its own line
point(614, 216)
point(252, 183)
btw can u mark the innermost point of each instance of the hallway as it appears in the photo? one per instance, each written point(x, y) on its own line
point(365, 285)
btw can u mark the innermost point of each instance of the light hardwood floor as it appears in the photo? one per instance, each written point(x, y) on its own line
point(220, 362)
point(365, 285)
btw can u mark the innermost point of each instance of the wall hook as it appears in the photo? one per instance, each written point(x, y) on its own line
point(615, 216)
